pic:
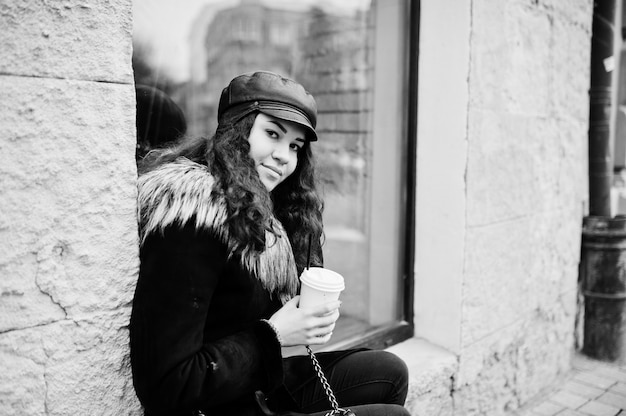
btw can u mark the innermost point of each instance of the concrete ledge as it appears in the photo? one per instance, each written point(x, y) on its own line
point(432, 372)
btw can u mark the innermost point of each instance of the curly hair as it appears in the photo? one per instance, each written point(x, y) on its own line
point(251, 207)
point(299, 207)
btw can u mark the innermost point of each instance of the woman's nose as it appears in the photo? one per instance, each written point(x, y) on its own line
point(281, 152)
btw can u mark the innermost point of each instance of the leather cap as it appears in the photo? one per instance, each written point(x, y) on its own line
point(269, 93)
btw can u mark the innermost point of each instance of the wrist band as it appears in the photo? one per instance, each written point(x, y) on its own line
point(271, 325)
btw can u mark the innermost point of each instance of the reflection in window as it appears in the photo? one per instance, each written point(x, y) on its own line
point(246, 30)
point(331, 52)
point(280, 35)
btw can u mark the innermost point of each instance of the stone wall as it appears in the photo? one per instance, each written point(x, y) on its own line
point(525, 190)
point(68, 233)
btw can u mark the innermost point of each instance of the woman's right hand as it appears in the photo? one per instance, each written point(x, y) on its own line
point(311, 326)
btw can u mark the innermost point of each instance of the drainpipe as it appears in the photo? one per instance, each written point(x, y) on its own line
point(600, 95)
point(603, 257)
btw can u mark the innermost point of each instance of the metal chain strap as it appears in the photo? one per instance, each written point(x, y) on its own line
point(329, 393)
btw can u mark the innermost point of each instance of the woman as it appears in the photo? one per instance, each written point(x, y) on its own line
point(225, 226)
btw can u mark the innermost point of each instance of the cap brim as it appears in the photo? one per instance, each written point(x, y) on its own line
point(286, 113)
point(274, 109)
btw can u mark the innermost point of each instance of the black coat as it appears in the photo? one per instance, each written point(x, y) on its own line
point(197, 337)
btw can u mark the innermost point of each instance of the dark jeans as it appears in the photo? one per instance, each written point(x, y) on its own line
point(370, 383)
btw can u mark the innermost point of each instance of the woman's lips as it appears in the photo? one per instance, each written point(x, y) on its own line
point(275, 170)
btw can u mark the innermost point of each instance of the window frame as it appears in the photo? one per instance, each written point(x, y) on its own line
point(401, 240)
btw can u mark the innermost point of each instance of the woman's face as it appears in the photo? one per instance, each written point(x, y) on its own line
point(274, 147)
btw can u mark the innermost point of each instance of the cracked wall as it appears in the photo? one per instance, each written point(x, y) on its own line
point(68, 233)
point(526, 188)
point(67, 204)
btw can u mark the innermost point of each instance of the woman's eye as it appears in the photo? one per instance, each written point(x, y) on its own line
point(272, 134)
point(295, 147)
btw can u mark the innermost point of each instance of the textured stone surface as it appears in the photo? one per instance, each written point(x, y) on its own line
point(510, 56)
point(68, 237)
point(517, 143)
point(431, 377)
point(66, 368)
point(68, 188)
point(508, 367)
point(526, 184)
point(516, 268)
point(511, 150)
point(75, 39)
point(520, 164)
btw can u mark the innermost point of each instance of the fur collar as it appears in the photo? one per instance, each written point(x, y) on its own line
point(178, 192)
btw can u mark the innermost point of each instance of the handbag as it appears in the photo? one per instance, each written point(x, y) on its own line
point(336, 410)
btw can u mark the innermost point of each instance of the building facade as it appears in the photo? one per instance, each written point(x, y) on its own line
point(499, 185)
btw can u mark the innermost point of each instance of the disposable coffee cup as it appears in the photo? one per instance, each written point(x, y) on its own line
point(319, 285)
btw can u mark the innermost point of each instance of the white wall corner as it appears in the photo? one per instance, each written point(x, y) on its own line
point(443, 99)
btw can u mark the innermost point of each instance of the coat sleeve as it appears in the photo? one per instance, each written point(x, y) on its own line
point(174, 369)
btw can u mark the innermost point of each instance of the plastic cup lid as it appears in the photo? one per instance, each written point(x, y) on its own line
point(323, 279)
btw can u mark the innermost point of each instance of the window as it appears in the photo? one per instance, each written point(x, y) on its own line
point(280, 34)
point(353, 58)
point(246, 30)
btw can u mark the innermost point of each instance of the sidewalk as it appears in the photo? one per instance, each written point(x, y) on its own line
point(592, 388)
